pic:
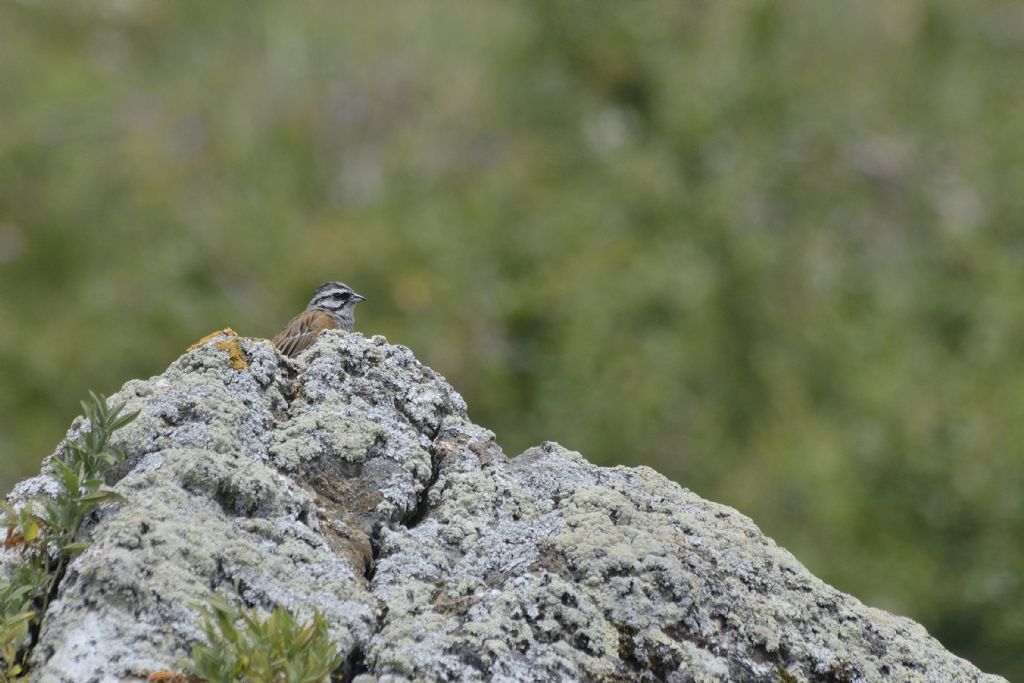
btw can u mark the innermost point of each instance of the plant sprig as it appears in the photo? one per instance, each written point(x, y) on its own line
point(242, 647)
point(46, 537)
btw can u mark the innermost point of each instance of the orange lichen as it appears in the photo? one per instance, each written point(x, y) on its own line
point(226, 332)
point(235, 354)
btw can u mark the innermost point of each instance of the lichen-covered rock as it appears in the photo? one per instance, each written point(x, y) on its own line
point(549, 568)
point(351, 482)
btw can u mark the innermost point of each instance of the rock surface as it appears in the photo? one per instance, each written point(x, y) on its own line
point(351, 481)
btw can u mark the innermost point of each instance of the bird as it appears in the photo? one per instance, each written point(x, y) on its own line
point(332, 308)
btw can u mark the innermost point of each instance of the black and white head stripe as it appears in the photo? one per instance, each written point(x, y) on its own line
point(333, 296)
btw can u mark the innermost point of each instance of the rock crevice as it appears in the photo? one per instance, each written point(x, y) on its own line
point(350, 481)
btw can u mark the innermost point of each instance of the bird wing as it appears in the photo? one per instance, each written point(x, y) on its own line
point(300, 333)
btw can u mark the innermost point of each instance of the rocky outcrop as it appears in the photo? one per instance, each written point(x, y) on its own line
point(350, 481)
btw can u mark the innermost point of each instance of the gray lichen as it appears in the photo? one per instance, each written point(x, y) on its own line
point(349, 481)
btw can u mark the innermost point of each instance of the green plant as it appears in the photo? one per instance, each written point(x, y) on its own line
point(80, 476)
point(242, 647)
point(45, 538)
point(16, 615)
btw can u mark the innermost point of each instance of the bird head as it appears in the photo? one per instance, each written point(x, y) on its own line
point(335, 298)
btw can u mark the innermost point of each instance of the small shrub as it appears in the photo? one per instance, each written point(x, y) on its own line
point(242, 647)
point(43, 532)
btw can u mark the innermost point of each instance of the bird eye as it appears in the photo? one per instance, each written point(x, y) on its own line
point(344, 296)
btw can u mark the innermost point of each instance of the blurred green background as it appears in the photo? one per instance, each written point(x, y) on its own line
point(773, 250)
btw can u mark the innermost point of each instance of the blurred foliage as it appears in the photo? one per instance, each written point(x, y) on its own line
point(772, 250)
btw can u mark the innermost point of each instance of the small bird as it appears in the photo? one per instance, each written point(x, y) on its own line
point(332, 307)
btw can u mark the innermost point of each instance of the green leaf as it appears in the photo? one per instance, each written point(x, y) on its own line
point(67, 477)
point(22, 618)
point(75, 548)
point(123, 420)
point(100, 496)
point(31, 530)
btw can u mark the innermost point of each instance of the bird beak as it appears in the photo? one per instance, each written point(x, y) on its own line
point(358, 297)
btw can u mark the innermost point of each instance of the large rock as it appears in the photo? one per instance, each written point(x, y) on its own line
point(351, 481)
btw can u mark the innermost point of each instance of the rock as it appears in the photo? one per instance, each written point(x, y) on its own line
point(350, 481)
